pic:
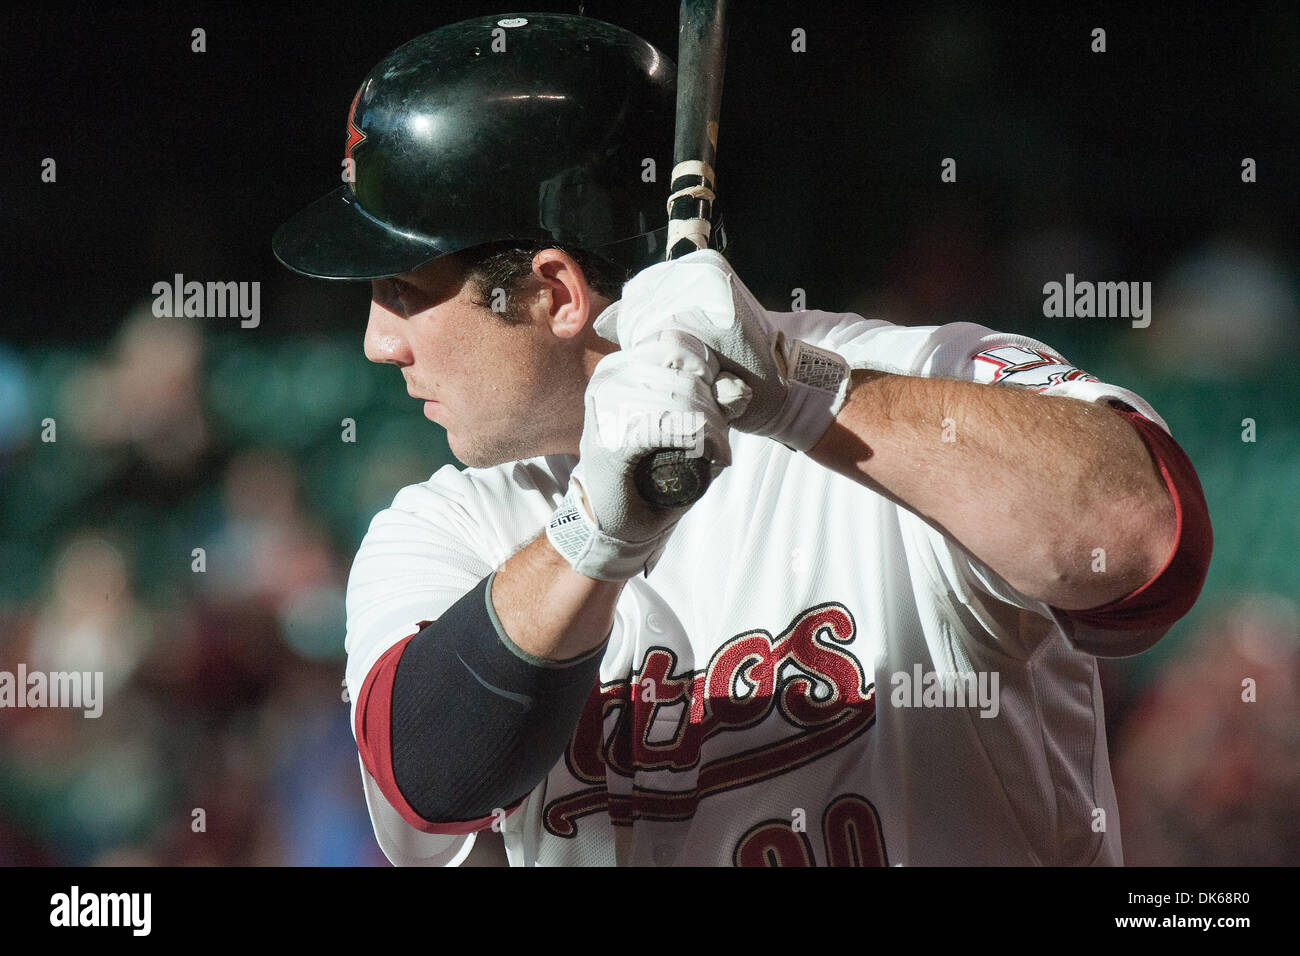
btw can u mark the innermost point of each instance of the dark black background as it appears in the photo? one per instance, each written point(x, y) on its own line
point(171, 161)
point(337, 907)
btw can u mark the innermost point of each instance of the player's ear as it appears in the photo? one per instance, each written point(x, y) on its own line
point(564, 296)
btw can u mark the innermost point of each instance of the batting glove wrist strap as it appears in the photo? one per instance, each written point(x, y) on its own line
point(591, 552)
point(817, 381)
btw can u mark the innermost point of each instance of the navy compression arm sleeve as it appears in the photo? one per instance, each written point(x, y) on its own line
point(477, 722)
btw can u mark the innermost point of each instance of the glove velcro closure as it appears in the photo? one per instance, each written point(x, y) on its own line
point(591, 552)
point(818, 380)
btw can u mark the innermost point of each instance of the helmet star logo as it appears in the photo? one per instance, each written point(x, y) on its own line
point(355, 136)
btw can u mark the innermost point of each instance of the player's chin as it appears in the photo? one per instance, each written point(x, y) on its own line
point(479, 451)
point(471, 453)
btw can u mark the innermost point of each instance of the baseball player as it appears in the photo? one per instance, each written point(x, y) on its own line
point(872, 642)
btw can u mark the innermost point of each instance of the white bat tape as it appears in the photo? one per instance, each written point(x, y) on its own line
point(694, 167)
point(696, 230)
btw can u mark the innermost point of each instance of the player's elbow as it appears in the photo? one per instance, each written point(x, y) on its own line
point(1138, 616)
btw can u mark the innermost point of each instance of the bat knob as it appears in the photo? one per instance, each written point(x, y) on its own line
point(670, 478)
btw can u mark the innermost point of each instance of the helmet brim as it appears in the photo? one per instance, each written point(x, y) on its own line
point(334, 238)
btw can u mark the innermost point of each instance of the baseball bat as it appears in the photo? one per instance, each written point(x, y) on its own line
point(670, 477)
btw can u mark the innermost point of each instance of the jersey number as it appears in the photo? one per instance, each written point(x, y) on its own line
point(851, 833)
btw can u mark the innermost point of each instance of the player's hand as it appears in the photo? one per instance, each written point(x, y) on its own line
point(657, 395)
point(791, 390)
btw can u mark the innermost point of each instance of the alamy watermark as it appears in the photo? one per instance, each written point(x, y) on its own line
point(208, 300)
point(75, 908)
point(638, 429)
point(75, 689)
point(928, 689)
point(1098, 300)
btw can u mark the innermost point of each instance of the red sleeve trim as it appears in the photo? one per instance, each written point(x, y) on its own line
point(374, 742)
point(1176, 586)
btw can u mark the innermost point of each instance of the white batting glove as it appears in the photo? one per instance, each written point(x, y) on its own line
point(657, 395)
point(794, 390)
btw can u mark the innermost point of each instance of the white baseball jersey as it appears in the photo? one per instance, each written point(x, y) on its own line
point(811, 675)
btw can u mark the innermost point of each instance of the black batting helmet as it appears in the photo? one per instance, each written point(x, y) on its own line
point(532, 126)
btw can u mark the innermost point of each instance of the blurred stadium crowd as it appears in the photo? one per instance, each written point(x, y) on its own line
point(223, 684)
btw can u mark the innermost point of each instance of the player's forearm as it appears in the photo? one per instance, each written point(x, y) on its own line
point(1030, 484)
point(547, 608)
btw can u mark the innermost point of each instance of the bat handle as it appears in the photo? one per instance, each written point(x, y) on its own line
point(671, 478)
point(668, 477)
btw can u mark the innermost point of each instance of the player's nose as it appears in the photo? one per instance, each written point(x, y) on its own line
point(385, 340)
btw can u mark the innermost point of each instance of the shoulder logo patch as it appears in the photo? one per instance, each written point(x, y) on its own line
point(1037, 369)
